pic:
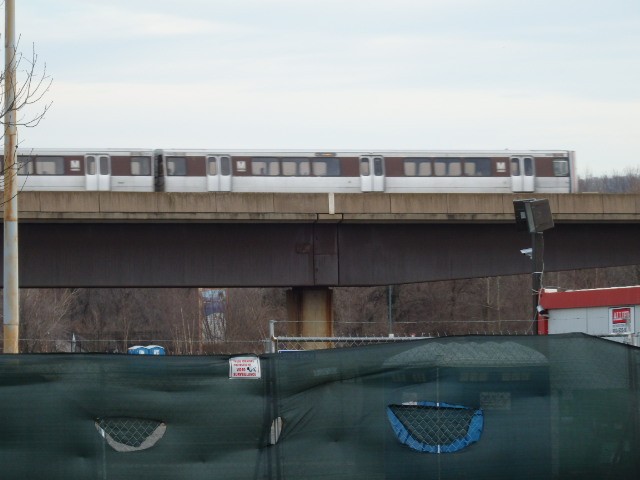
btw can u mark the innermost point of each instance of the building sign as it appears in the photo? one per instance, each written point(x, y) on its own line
point(621, 320)
point(244, 367)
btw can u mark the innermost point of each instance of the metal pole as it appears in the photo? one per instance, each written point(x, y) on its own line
point(390, 308)
point(272, 336)
point(537, 257)
point(11, 288)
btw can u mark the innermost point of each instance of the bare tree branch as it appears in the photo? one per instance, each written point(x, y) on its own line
point(33, 83)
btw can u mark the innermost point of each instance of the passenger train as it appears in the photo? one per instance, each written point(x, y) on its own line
point(148, 170)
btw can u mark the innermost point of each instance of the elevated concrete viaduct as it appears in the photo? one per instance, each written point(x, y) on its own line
point(307, 241)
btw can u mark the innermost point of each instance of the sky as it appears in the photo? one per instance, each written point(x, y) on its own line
point(339, 74)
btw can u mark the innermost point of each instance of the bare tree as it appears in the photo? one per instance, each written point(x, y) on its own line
point(175, 313)
point(625, 182)
point(247, 315)
point(33, 83)
point(361, 311)
point(44, 311)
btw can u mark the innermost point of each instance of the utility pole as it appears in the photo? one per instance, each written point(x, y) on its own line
point(11, 286)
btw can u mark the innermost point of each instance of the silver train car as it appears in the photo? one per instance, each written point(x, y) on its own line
point(86, 170)
point(165, 170)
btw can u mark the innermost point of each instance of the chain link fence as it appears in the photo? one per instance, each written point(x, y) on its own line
point(435, 427)
point(119, 346)
point(130, 434)
point(280, 335)
point(279, 340)
point(348, 334)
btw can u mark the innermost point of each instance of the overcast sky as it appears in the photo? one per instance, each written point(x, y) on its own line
point(341, 74)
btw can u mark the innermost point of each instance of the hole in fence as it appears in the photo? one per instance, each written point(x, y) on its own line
point(436, 427)
point(125, 434)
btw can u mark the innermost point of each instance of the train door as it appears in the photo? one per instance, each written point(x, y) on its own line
point(97, 169)
point(522, 174)
point(372, 174)
point(219, 174)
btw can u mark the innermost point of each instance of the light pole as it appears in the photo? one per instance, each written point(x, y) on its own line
point(535, 217)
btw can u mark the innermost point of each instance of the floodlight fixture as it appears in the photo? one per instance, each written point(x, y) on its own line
point(533, 215)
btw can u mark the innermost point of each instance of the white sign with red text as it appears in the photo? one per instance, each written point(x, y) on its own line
point(621, 319)
point(244, 367)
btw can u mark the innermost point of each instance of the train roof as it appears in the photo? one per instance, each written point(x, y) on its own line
point(85, 151)
point(370, 152)
point(295, 152)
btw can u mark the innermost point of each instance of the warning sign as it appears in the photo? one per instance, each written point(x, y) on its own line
point(621, 320)
point(244, 367)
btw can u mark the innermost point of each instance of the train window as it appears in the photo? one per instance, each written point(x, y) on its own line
point(364, 167)
point(91, 165)
point(477, 167)
point(304, 167)
point(49, 165)
point(140, 166)
point(25, 165)
point(377, 166)
point(528, 166)
point(289, 168)
point(258, 167)
point(265, 166)
point(469, 168)
point(515, 167)
point(212, 168)
point(561, 167)
point(409, 168)
point(320, 169)
point(327, 167)
point(448, 167)
point(225, 166)
point(176, 166)
point(424, 168)
point(296, 166)
point(104, 166)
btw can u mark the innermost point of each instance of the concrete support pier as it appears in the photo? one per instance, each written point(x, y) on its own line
point(310, 314)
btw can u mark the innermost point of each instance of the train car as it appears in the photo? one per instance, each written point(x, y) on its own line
point(146, 170)
point(357, 171)
point(193, 171)
point(86, 170)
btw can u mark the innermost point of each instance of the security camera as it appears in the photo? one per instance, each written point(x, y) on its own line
point(541, 310)
point(527, 251)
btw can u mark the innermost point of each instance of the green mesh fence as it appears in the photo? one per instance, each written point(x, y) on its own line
point(536, 407)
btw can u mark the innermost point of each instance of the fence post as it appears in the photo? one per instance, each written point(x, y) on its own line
point(272, 336)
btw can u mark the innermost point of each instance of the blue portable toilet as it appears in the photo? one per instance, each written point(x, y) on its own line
point(137, 350)
point(155, 350)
